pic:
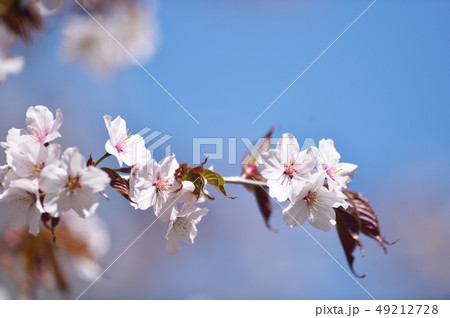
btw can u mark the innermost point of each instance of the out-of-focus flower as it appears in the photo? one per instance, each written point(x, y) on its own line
point(338, 174)
point(183, 225)
point(126, 26)
point(21, 17)
point(286, 168)
point(94, 235)
point(10, 65)
point(47, 7)
point(314, 203)
point(128, 149)
point(72, 186)
point(24, 204)
point(4, 294)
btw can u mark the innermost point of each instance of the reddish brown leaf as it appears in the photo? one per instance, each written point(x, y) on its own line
point(358, 218)
point(250, 171)
point(118, 183)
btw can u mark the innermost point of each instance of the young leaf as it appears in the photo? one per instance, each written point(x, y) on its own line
point(215, 180)
point(118, 183)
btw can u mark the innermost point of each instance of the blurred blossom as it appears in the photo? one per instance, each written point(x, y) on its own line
point(4, 294)
point(8, 64)
point(131, 25)
point(95, 235)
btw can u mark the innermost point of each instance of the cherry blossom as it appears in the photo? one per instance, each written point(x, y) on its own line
point(72, 185)
point(10, 65)
point(127, 148)
point(286, 168)
point(183, 226)
point(24, 205)
point(152, 184)
point(28, 159)
point(130, 24)
point(314, 203)
point(338, 174)
point(41, 124)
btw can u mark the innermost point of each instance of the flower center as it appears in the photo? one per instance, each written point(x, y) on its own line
point(73, 183)
point(161, 184)
point(36, 169)
point(311, 200)
point(291, 169)
point(39, 135)
point(183, 226)
point(333, 173)
point(121, 142)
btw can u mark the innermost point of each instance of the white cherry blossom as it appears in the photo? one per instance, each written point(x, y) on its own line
point(28, 159)
point(151, 185)
point(314, 203)
point(132, 25)
point(41, 124)
point(127, 148)
point(72, 186)
point(183, 226)
point(286, 168)
point(338, 174)
point(24, 205)
point(10, 65)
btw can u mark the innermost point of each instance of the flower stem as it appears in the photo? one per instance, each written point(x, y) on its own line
point(106, 155)
point(244, 181)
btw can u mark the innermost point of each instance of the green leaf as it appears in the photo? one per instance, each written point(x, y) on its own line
point(216, 181)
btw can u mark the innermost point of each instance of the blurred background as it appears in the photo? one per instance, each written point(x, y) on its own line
point(381, 92)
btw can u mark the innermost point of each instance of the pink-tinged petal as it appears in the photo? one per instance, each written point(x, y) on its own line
point(94, 179)
point(41, 125)
point(287, 146)
point(172, 246)
point(296, 213)
point(53, 179)
point(113, 151)
point(135, 152)
point(324, 218)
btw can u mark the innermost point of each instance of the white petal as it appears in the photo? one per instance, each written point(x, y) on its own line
point(95, 179)
point(328, 153)
point(296, 213)
point(324, 219)
point(287, 146)
point(52, 179)
point(172, 246)
point(85, 203)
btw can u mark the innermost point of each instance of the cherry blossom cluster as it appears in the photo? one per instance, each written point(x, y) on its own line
point(312, 180)
point(155, 185)
point(39, 179)
point(103, 34)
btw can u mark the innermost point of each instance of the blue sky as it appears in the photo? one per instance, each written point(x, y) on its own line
point(381, 92)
